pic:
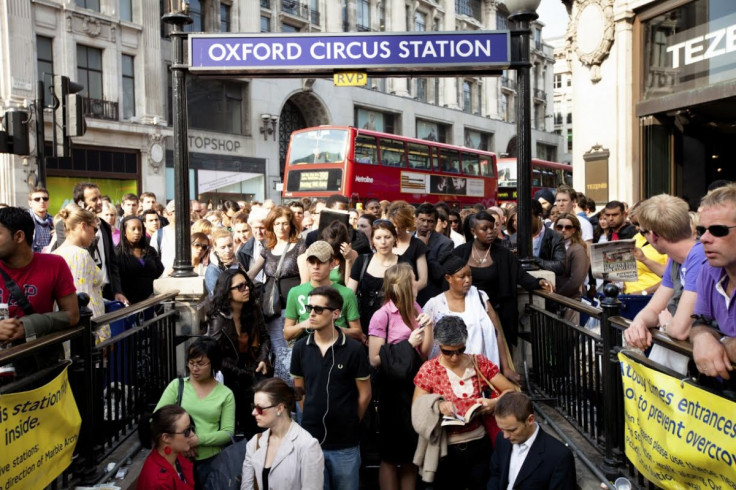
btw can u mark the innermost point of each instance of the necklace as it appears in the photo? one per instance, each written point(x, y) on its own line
point(482, 260)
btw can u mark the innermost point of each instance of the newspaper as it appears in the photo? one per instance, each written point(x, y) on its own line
point(614, 261)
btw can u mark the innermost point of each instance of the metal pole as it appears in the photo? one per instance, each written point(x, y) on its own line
point(611, 374)
point(40, 136)
point(183, 261)
point(524, 139)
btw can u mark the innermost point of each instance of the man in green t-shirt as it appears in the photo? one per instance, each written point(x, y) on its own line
point(320, 261)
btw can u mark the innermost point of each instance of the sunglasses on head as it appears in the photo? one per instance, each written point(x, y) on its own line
point(186, 432)
point(259, 410)
point(318, 309)
point(564, 227)
point(240, 287)
point(453, 352)
point(39, 199)
point(717, 231)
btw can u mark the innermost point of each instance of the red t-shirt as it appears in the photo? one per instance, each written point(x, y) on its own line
point(46, 279)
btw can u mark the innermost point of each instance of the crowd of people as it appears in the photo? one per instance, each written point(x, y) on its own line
point(324, 320)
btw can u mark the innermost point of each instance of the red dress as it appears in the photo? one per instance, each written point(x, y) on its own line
point(158, 474)
point(433, 378)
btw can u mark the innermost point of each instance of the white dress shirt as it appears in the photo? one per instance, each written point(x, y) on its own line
point(519, 453)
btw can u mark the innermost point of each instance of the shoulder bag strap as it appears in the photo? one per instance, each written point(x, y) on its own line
point(480, 376)
point(366, 261)
point(181, 391)
point(16, 293)
point(281, 261)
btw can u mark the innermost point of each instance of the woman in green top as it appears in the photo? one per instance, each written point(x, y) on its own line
point(210, 404)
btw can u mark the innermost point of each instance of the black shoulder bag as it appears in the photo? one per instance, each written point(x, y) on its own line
point(17, 293)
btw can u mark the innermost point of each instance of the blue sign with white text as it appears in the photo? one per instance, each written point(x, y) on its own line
point(425, 52)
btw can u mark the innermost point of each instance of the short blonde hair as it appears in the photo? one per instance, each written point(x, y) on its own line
point(719, 197)
point(667, 216)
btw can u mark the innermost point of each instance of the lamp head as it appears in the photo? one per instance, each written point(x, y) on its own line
point(265, 117)
point(522, 7)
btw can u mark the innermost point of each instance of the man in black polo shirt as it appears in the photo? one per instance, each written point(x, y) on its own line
point(333, 370)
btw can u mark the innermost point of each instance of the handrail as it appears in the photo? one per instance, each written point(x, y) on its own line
point(569, 302)
point(134, 308)
point(29, 348)
point(658, 337)
point(132, 331)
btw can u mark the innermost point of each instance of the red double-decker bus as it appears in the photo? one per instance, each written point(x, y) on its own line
point(362, 164)
point(545, 175)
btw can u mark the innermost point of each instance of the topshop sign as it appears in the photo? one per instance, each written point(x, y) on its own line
point(434, 52)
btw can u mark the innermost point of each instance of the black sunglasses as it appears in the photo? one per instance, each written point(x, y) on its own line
point(452, 352)
point(187, 432)
point(240, 287)
point(318, 309)
point(199, 245)
point(564, 227)
point(717, 231)
point(259, 409)
point(38, 199)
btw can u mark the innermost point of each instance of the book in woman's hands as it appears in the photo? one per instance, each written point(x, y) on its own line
point(460, 420)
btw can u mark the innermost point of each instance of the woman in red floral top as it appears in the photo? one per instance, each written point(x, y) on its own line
point(452, 375)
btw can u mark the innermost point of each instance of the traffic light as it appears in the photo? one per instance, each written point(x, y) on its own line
point(68, 114)
point(15, 138)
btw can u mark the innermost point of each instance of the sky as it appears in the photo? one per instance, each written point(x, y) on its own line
point(554, 16)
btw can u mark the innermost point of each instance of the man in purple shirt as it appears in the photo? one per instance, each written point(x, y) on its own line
point(714, 350)
point(665, 222)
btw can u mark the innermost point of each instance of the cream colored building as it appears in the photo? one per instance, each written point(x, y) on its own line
point(239, 128)
point(654, 85)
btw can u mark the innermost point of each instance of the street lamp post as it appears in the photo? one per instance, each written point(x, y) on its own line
point(183, 261)
point(523, 12)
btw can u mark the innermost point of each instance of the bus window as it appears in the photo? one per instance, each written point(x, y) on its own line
point(365, 149)
point(449, 161)
point(548, 178)
point(470, 163)
point(536, 177)
point(485, 167)
point(319, 146)
point(568, 177)
point(419, 158)
point(392, 153)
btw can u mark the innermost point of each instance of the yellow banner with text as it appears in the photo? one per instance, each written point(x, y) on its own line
point(677, 435)
point(39, 432)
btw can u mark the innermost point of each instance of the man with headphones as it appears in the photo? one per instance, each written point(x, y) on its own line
point(333, 371)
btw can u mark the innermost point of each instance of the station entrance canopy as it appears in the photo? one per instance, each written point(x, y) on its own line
point(324, 54)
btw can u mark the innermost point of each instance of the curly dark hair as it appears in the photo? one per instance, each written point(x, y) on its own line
point(251, 314)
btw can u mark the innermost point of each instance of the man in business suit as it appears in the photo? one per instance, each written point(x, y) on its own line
point(526, 457)
point(439, 248)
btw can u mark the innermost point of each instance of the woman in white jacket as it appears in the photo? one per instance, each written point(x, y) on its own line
point(284, 455)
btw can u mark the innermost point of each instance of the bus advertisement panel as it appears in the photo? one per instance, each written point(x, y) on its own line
point(362, 164)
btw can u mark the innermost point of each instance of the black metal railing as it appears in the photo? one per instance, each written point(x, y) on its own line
point(540, 94)
point(100, 109)
point(266, 4)
point(471, 8)
point(112, 382)
point(508, 83)
point(577, 371)
point(297, 9)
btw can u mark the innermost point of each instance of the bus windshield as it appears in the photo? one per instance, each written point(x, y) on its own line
point(318, 146)
point(506, 174)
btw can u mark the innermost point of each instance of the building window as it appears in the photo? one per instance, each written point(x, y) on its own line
point(45, 65)
point(89, 4)
point(470, 8)
point(420, 21)
point(422, 89)
point(364, 15)
point(215, 105)
point(382, 16)
point(128, 87)
point(467, 97)
point(569, 81)
point(569, 118)
point(569, 140)
point(502, 22)
point(225, 18)
point(265, 24)
point(288, 28)
point(195, 12)
point(126, 10)
point(89, 71)
point(558, 81)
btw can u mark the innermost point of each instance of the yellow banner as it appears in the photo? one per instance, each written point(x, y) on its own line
point(677, 435)
point(39, 431)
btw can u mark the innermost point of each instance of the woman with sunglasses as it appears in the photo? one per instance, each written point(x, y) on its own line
point(570, 282)
point(172, 436)
point(399, 320)
point(81, 227)
point(284, 455)
point(236, 323)
point(460, 380)
point(471, 304)
point(210, 404)
point(200, 253)
point(138, 262)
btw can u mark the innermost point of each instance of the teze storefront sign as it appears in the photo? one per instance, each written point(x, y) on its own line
point(416, 53)
point(596, 174)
